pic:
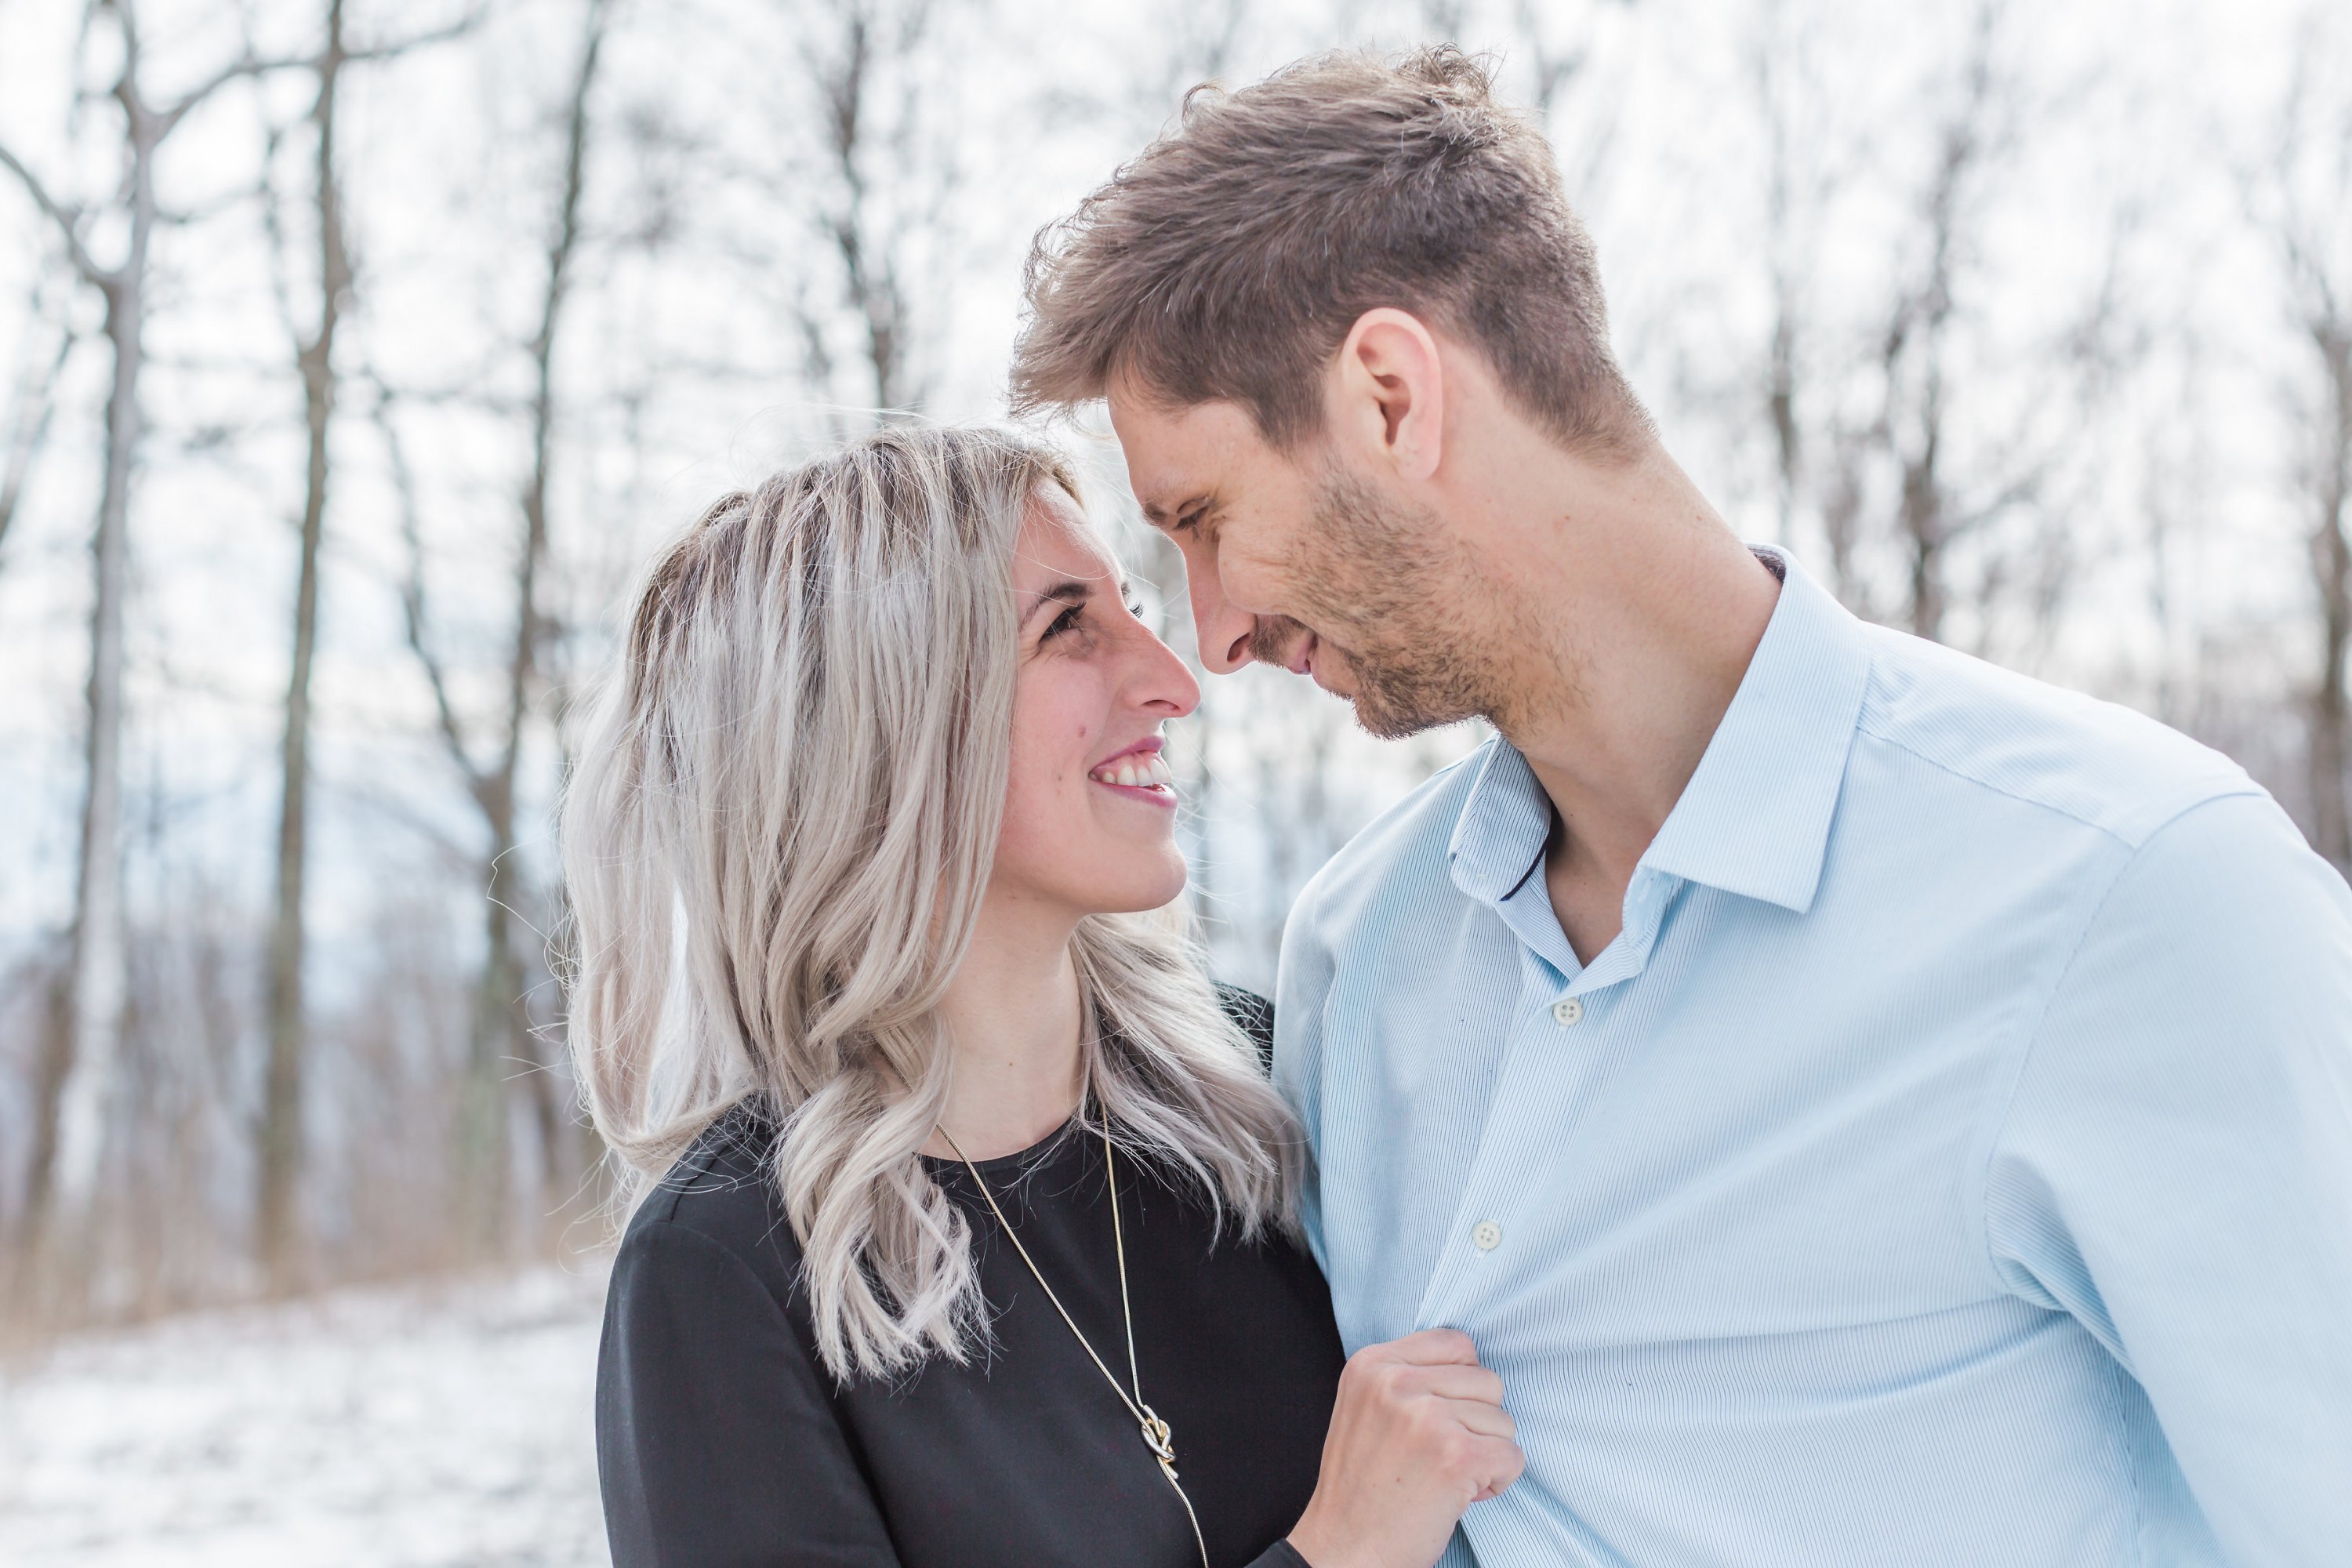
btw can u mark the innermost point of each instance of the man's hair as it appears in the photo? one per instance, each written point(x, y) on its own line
point(1229, 260)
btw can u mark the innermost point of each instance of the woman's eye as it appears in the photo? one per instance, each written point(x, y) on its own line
point(1067, 620)
point(1136, 609)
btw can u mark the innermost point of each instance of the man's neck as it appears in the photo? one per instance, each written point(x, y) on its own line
point(1647, 609)
point(1012, 1020)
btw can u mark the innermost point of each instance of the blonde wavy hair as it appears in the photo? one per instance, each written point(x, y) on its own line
point(776, 840)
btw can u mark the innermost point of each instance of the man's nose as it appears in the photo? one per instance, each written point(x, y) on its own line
point(1221, 628)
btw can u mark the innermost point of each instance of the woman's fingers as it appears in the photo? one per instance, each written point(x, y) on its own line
point(1484, 1419)
point(1418, 1433)
point(1496, 1464)
point(1431, 1347)
point(1452, 1382)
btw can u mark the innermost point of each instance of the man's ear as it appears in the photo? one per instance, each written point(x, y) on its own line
point(1391, 392)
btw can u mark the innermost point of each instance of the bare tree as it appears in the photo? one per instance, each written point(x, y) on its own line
point(280, 1162)
point(503, 1034)
point(1777, 66)
point(888, 181)
point(281, 1113)
point(1914, 416)
point(1881, 426)
point(2308, 209)
point(71, 1141)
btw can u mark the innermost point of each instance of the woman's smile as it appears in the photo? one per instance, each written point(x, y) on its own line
point(1139, 770)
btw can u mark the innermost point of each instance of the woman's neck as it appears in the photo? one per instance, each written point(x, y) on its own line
point(1012, 1020)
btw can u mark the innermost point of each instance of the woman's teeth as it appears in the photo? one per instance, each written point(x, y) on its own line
point(1137, 772)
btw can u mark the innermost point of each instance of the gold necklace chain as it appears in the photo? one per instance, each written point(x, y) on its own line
point(1156, 1435)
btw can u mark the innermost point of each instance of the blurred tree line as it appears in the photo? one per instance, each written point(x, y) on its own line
point(358, 353)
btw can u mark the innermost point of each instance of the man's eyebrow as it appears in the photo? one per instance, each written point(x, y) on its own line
point(1166, 517)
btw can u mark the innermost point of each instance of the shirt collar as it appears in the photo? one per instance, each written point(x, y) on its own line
point(1755, 818)
point(1505, 820)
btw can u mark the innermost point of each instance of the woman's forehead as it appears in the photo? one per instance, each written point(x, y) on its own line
point(1057, 542)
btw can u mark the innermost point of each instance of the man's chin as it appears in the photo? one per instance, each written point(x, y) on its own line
point(1381, 716)
point(1334, 682)
point(1326, 668)
point(1389, 710)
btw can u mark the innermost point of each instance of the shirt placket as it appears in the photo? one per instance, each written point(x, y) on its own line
point(1562, 1036)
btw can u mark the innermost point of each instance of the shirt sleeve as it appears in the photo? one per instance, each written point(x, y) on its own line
point(2175, 1167)
point(715, 1445)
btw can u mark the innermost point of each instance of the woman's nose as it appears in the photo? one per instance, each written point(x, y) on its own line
point(1162, 683)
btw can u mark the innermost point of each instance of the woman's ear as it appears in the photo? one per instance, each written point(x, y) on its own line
point(1390, 386)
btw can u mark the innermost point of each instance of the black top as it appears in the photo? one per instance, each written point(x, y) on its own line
point(721, 1440)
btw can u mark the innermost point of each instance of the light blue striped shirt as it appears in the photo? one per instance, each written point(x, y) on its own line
point(1951, 1162)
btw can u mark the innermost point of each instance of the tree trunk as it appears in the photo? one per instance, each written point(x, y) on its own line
point(87, 1090)
point(2331, 560)
point(502, 1041)
point(1922, 513)
point(869, 264)
point(53, 1052)
point(277, 1208)
point(484, 1150)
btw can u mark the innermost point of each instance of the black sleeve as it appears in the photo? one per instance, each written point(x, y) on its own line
point(1281, 1554)
point(1254, 1014)
point(715, 1445)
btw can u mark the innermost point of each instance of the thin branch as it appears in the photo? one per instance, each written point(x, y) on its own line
point(192, 218)
point(251, 65)
point(273, 228)
point(33, 404)
point(394, 49)
point(67, 220)
point(238, 69)
point(412, 592)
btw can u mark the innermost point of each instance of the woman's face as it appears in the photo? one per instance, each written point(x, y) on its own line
point(1091, 805)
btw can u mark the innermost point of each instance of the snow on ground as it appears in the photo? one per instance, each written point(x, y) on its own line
point(445, 1427)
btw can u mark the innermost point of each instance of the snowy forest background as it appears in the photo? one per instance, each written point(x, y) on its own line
point(357, 353)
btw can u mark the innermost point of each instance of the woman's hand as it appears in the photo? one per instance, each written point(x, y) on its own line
point(1418, 1435)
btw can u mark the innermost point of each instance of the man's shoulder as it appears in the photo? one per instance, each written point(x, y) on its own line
point(1401, 852)
point(2102, 764)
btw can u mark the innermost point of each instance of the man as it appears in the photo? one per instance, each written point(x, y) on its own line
point(1869, 1108)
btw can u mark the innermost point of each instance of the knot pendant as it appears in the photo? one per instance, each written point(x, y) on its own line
point(1160, 1440)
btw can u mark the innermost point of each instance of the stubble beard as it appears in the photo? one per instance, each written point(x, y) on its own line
point(1396, 597)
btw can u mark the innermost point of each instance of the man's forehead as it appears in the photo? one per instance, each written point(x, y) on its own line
point(1178, 454)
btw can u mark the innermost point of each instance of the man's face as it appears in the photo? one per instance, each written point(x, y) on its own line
point(1293, 559)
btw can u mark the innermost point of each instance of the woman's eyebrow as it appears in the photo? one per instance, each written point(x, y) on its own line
point(1068, 592)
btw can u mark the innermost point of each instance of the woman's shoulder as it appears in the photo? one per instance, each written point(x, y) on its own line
point(723, 1189)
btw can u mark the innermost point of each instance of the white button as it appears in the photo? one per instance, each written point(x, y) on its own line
point(1488, 1235)
point(1568, 1012)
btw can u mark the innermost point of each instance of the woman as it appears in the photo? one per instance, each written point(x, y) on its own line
point(976, 1241)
